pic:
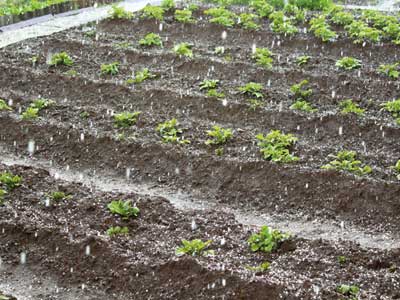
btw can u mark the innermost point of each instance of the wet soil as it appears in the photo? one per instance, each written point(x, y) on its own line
point(55, 237)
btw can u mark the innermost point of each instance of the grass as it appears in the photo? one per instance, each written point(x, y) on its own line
point(275, 146)
point(194, 248)
point(126, 119)
point(346, 161)
point(266, 240)
point(123, 209)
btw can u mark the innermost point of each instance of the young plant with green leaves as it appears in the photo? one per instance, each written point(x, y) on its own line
point(260, 268)
point(61, 59)
point(4, 106)
point(41, 103)
point(394, 108)
point(2, 195)
point(275, 146)
point(321, 29)
point(300, 91)
point(263, 57)
point(254, 104)
point(123, 209)
point(215, 94)
point(141, 76)
point(184, 16)
point(195, 247)
point(10, 181)
point(267, 240)
point(208, 84)
point(252, 89)
point(58, 196)
point(346, 161)
point(118, 12)
point(361, 32)
point(302, 60)
point(303, 105)
point(152, 12)
point(262, 7)
point(390, 70)
point(30, 114)
point(348, 106)
point(171, 133)
point(117, 230)
point(183, 49)
point(168, 5)
point(126, 119)
point(110, 69)
point(348, 63)
point(342, 18)
point(219, 135)
point(151, 39)
point(396, 169)
point(221, 16)
point(249, 21)
point(281, 24)
point(348, 290)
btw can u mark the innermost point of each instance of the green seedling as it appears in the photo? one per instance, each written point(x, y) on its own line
point(142, 76)
point(252, 89)
point(123, 208)
point(348, 63)
point(219, 151)
point(3, 105)
point(2, 194)
point(262, 8)
point(302, 60)
point(275, 146)
point(394, 108)
point(168, 5)
point(261, 268)
point(183, 49)
point(110, 69)
point(58, 196)
point(254, 104)
point(195, 248)
point(282, 25)
point(342, 259)
point(321, 29)
point(30, 113)
point(391, 70)
point(10, 181)
point(126, 119)
point(263, 57)
point(42, 103)
point(71, 73)
point(151, 39)
point(267, 240)
point(346, 161)
point(348, 290)
point(208, 84)
point(303, 105)
point(84, 115)
point(184, 16)
point(122, 45)
point(215, 94)
point(248, 21)
point(219, 135)
point(221, 16)
point(300, 92)
point(348, 106)
point(170, 132)
point(153, 12)
point(118, 12)
point(61, 58)
point(342, 18)
point(361, 32)
point(219, 50)
point(113, 231)
point(396, 169)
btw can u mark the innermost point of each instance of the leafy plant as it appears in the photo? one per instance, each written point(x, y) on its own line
point(123, 208)
point(342, 18)
point(112, 231)
point(261, 268)
point(361, 32)
point(195, 247)
point(10, 181)
point(208, 84)
point(262, 8)
point(214, 93)
point(42, 103)
point(252, 89)
point(267, 240)
point(30, 113)
point(151, 39)
point(168, 4)
point(219, 135)
point(312, 4)
point(58, 196)
point(248, 21)
point(183, 49)
point(348, 290)
point(170, 132)
point(61, 58)
point(346, 161)
point(275, 146)
point(281, 24)
point(300, 92)
point(348, 63)
point(219, 50)
point(126, 119)
point(342, 259)
point(3, 105)
point(2, 194)
point(348, 106)
point(302, 60)
point(396, 168)
point(143, 75)
point(263, 57)
point(391, 70)
point(321, 29)
point(221, 15)
point(110, 69)
point(184, 16)
point(153, 12)
point(394, 108)
point(254, 104)
point(118, 12)
point(303, 105)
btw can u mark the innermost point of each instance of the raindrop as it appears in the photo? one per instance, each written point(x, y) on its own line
point(23, 258)
point(31, 147)
point(193, 225)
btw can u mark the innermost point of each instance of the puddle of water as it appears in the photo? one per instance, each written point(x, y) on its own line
point(312, 230)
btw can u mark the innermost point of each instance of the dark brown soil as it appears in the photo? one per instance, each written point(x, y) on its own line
point(143, 265)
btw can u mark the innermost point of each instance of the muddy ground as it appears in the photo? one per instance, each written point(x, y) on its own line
point(143, 265)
